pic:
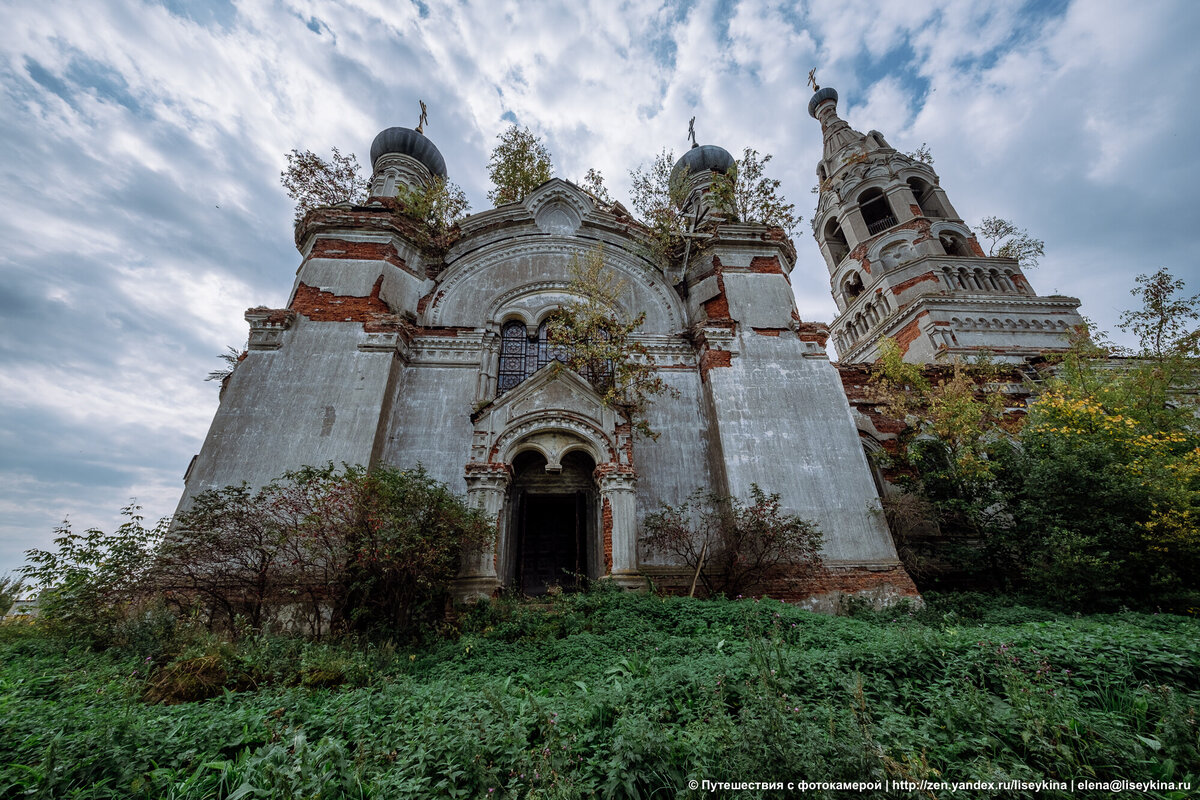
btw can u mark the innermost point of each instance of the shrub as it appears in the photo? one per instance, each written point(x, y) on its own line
point(733, 545)
point(88, 582)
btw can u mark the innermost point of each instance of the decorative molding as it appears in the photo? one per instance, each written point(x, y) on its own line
point(467, 269)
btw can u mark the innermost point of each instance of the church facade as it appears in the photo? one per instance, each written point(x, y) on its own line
point(393, 351)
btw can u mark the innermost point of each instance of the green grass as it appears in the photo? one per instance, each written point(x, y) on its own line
point(611, 696)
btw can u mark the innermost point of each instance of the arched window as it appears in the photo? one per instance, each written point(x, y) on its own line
point(954, 244)
point(521, 356)
point(926, 198)
point(853, 286)
point(875, 211)
point(836, 240)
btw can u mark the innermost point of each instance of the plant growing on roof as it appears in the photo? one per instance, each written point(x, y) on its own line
point(519, 164)
point(601, 346)
point(314, 182)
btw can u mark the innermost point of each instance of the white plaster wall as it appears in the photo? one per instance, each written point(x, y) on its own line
point(316, 399)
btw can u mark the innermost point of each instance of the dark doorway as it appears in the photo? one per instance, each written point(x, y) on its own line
point(552, 547)
point(552, 520)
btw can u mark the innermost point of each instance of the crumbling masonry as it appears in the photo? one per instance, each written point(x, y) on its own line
point(394, 351)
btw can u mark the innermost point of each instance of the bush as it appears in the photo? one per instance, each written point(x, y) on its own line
point(89, 582)
point(734, 546)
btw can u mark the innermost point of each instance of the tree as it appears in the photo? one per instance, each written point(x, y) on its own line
point(958, 406)
point(599, 345)
point(745, 194)
point(226, 554)
point(954, 453)
point(440, 205)
point(1007, 241)
point(734, 546)
point(357, 549)
point(922, 154)
point(518, 165)
point(593, 184)
point(314, 182)
point(1164, 323)
point(657, 193)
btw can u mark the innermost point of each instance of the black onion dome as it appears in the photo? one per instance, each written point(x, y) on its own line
point(408, 142)
point(820, 97)
point(706, 156)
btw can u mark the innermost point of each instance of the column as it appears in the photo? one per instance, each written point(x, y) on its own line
point(487, 489)
point(619, 527)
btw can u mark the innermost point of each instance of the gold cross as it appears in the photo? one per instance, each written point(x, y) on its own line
point(812, 79)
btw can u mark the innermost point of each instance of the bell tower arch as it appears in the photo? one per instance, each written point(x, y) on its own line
point(903, 264)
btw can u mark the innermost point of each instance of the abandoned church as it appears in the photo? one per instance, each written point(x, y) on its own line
point(390, 351)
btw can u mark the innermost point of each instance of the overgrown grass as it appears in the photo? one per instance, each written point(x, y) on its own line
point(613, 696)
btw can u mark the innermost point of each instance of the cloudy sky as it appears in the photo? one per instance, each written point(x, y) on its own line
point(142, 212)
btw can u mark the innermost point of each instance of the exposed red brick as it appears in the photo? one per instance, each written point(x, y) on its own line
point(909, 333)
point(766, 264)
point(613, 468)
point(975, 248)
point(606, 518)
point(768, 331)
point(358, 251)
point(490, 468)
point(711, 359)
point(916, 210)
point(717, 309)
point(322, 306)
point(908, 284)
point(813, 332)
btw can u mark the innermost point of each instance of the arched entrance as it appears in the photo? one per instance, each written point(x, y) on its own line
point(553, 522)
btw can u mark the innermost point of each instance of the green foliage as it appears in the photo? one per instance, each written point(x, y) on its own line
point(593, 184)
point(314, 182)
point(1111, 483)
point(378, 549)
point(1006, 240)
point(1165, 323)
point(922, 154)
point(10, 590)
point(319, 548)
point(733, 544)
point(232, 357)
point(440, 206)
point(624, 696)
point(746, 194)
point(957, 410)
point(600, 344)
point(658, 193)
point(88, 583)
point(1099, 501)
point(405, 549)
point(519, 164)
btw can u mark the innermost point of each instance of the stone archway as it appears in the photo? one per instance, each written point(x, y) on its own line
point(552, 523)
point(554, 414)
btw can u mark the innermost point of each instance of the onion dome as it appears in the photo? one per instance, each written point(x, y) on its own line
point(704, 157)
point(821, 96)
point(407, 142)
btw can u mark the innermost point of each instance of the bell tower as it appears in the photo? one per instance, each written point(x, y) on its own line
point(903, 264)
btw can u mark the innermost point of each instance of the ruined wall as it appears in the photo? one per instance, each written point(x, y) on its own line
point(315, 399)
